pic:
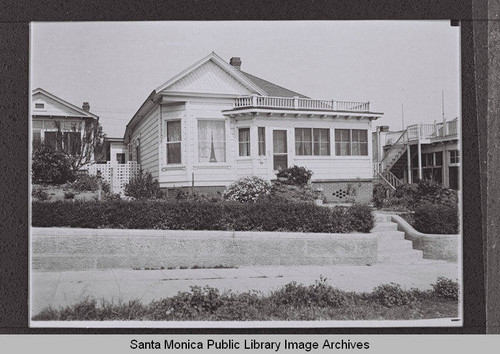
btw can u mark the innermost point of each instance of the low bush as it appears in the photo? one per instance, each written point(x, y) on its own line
point(40, 194)
point(446, 288)
point(194, 196)
point(291, 193)
point(143, 186)
point(248, 190)
point(193, 215)
point(436, 218)
point(293, 301)
point(295, 175)
point(69, 195)
point(380, 194)
point(390, 295)
point(361, 217)
point(85, 182)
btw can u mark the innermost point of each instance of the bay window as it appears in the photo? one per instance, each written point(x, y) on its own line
point(244, 141)
point(174, 142)
point(262, 141)
point(211, 141)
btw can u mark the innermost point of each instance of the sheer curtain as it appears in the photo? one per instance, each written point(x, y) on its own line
point(303, 141)
point(244, 141)
point(211, 141)
point(173, 142)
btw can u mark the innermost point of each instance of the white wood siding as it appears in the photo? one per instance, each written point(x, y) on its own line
point(52, 108)
point(147, 133)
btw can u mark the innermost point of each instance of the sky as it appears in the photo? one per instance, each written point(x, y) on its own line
point(401, 67)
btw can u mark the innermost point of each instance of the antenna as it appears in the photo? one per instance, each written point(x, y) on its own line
point(442, 104)
point(402, 117)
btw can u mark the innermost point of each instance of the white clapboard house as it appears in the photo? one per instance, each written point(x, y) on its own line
point(214, 123)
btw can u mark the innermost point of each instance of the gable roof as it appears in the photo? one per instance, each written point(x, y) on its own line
point(272, 89)
point(71, 106)
point(228, 68)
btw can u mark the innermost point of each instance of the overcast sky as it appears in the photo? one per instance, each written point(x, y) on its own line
point(116, 65)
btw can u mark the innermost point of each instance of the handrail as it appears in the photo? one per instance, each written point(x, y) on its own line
point(384, 179)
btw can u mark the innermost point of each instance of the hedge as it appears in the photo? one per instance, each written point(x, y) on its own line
point(436, 219)
point(188, 215)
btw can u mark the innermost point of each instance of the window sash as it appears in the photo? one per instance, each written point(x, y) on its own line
point(174, 142)
point(359, 142)
point(262, 141)
point(244, 141)
point(211, 141)
point(120, 158)
point(342, 142)
point(303, 141)
point(321, 137)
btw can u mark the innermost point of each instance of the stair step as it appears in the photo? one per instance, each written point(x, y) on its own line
point(385, 226)
point(400, 257)
point(389, 235)
point(393, 246)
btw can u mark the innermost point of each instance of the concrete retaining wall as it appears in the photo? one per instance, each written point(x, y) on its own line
point(442, 247)
point(55, 249)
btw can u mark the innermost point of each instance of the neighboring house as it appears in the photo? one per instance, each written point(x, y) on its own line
point(433, 150)
point(58, 123)
point(214, 123)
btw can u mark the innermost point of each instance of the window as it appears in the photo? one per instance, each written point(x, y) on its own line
point(351, 142)
point(37, 126)
point(174, 142)
point(72, 142)
point(262, 141)
point(359, 142)
point(321, 140)
point(53, 140)
point(454, 156)
point(39, 105)
point(211, 141)
point(303, 141)
point(244, 141)
point(342, 142)
point(120, 158)
point(312, 141)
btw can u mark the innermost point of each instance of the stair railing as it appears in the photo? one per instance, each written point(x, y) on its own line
point(395, 152)
point(381, 177)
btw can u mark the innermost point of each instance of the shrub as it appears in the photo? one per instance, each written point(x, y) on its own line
point(143, 186)
point(318, 294)
point(50, 167)
point(69, 195)
point(247, 189)
point(192, 215)
point(290, 193)
point(361, 217)
point(446, 288)
point(379, 194)
point(390, 295)
point(40, 194)
point(436, 219)
point(183, 195)
point(295, 175)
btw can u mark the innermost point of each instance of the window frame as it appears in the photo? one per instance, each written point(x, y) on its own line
point(174, 142)
point(362, 146)
point(456, 157)
point(208, 163)
point(247, 143)
point(312, 142)
point(261, 143)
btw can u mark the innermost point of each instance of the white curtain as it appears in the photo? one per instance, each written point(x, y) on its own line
point(211, 141)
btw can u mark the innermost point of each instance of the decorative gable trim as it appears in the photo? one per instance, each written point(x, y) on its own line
point(229, 69)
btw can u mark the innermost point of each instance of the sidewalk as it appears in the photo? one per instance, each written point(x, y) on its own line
point(59, 289)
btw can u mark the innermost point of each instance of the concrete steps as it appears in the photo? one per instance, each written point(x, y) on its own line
point(392, 246)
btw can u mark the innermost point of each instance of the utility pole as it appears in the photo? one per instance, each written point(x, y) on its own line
point(402, 117)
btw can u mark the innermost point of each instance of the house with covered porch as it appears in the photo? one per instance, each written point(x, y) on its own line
point(421, 151)
point(214, 123)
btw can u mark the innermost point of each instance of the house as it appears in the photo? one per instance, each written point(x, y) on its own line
point(421, 151)
point(214, 123)
point(59, 124)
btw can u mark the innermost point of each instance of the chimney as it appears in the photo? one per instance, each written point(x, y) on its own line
point(236, 62)
point(86, 106)
point(384, 128)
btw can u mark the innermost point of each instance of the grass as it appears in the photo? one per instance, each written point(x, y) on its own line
point(292, 302)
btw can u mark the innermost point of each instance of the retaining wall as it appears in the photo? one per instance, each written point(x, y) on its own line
point(57, 249)
point(434, 246)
